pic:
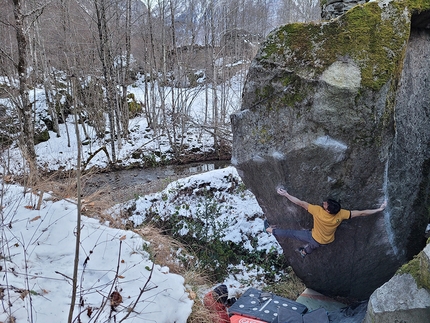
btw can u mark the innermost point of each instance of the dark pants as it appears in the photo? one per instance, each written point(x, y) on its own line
point(302, 235)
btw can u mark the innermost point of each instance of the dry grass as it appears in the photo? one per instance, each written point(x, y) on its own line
point(60, 189)
point(289, 287)
point(200, 314)
point(93, 205)
point(163, 248)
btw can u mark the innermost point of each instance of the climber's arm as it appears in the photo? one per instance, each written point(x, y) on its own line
point(293, 199)
point(356, 213)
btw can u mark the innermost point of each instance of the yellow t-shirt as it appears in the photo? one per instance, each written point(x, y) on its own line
point(325, 224)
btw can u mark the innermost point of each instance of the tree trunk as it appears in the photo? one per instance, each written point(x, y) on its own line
point(24, 106)
point(79, 206)
point(214, 81)
point(39, 49)
point(125, 113)
point(106, 60)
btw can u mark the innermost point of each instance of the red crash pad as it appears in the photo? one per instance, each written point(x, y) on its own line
point(243, 319)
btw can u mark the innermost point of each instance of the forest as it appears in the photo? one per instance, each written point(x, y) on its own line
point(85, 53)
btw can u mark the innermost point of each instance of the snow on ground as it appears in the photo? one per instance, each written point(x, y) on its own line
point(38, 246)
point(38, 255)
point(60, 152)
point(239, 209)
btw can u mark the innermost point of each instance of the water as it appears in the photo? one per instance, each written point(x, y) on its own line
point(145, 176)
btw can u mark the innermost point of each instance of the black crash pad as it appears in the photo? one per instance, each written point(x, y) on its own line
point(285, 315)
point(264, 306)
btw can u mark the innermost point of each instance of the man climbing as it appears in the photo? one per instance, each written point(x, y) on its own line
point(326, 220)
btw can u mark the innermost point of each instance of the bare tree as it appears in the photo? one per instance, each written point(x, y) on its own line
point(41, 62)
point(152, 43)
point(78, 213)
point(22, 103)
point(106, 59)
point(125, 70)
point(299, 11)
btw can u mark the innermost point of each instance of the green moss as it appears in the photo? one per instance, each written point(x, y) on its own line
point(294, 89)
point(297, 89)
point(377, 45)
point(263, 134)
point(133, 106)
point(419, 268)
point(418, 6)
point(41, 137)
point(265, 93)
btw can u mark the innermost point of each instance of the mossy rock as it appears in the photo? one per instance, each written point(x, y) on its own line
point(419, 268)
point(418, 6)
point(134, 107)
point(41, 137)
point(375, 43)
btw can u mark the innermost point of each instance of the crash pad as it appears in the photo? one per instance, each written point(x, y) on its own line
point(244, 319)
point(263, 306)
point(288, 316)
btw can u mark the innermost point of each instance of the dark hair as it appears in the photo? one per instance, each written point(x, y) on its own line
point(333, 206)
point(222, 292)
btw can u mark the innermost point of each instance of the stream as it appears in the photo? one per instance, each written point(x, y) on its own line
point(123, 185)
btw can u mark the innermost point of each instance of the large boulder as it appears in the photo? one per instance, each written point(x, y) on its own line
point(341, 109)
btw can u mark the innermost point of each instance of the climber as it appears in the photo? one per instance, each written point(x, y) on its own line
point(326, 220)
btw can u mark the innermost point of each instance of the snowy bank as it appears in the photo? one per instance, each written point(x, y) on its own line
point(37, 266)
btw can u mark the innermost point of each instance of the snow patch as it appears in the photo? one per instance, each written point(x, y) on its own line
point(42, 251)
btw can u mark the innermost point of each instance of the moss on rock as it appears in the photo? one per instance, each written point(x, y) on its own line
point(419, 269)
point(41, 136)
point(418, 6)
point(375, 41)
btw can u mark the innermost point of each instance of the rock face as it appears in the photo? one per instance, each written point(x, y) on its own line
point(406, 296)
point(342, 109)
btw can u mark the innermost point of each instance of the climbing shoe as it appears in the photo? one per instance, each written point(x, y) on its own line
point(302, 252)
